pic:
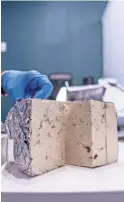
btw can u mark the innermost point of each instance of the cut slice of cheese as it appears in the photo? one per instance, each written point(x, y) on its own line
point(91, 138)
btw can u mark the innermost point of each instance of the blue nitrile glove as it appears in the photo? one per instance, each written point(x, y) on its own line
point(28, 84)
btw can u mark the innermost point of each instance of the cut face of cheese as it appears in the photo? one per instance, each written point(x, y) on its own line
point(91, 138)
point(49, 134)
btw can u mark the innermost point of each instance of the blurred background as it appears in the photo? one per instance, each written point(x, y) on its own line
point(80, 43)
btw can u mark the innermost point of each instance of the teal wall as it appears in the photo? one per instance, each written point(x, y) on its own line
point(52, 37)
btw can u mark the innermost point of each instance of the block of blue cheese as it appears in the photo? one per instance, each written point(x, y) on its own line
point(38, 129)
point(91, 136)
point(49, 134)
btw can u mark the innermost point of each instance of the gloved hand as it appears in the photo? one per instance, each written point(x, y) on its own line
point(30, 84)
point(40, 87)
point(43, 88)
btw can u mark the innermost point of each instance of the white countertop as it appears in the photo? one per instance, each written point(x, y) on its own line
point(67, 179)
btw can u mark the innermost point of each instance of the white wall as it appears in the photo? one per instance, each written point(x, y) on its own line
point(113, 41)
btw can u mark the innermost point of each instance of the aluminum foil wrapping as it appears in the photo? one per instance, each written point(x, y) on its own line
point(3, 128)
point(18, 129)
